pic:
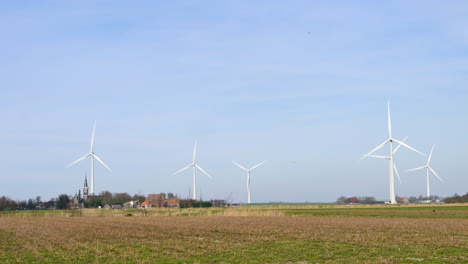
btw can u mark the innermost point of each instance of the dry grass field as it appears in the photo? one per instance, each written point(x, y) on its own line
point(238, 235)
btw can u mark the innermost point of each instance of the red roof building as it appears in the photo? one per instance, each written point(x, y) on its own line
point(353, 200)
point(153, 200)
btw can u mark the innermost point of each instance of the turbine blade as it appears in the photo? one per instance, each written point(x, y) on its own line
point(198, 167)
point(408, 147)
point(194, 151)
point(240, 166)
point(92, 137)
point(433, 171)
point(377, 148)
point(398, 147)
point(396, 172)
point(430, 155)
point(379, 157)
point(418, 168)
point(184, 168)
point(261, 163)
point(78, 160)
point(389, 121)
point(100, 161)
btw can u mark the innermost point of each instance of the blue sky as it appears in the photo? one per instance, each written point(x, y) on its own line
point(303, 85)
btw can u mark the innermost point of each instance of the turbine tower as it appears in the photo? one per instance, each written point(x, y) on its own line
point(428, 168)
point(93, 156)
point(195, 167)
point(391, 158)
point(388, 158)
point(248, 177)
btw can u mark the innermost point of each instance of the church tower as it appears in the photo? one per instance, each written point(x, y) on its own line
point(85, 189)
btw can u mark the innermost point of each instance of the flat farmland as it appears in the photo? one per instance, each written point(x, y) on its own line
point(386, 234)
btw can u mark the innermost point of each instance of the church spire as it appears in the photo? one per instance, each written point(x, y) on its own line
point(85, 189)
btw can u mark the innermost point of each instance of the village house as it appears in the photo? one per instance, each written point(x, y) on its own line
point(153, 200)
point(173, 203)
point(158, 200)
point(403, 200)
point(353, 200)
point(131, 204)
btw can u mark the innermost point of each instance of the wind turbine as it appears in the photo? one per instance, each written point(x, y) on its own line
point(428, 168)
point(195, 167)
point(388, 158)
point(391, 159)
point(93, 156)
point(248, 177)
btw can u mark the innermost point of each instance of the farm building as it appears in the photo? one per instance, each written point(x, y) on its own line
point(131, 204)
point(173, 203)
point(403, 200)
point(158, 200)
point(353, 200)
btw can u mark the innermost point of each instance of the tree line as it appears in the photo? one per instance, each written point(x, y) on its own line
point(65, 201)
point(30, 204)
point(412, 199)
point(457, 198)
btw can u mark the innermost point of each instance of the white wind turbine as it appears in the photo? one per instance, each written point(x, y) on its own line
point(428, 168)
point(390, 158)
point(248, 177)
point(195, 167)
point(93, 156)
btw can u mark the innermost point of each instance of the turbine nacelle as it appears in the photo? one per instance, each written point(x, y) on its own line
point(388, 158)
point(195, 166)
point(428, 167)
point(93, 156)
point(248, 176)
point(90, 155)
point(248, 170)
point(390, 140)
point(392, 167)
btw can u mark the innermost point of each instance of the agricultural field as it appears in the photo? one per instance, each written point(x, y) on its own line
point(255, 234)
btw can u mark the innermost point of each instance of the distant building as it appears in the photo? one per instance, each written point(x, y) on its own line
point(146, 204)
point(75, 204)
point(113, 206)
point(158, 200)
point(131, 204)
point(40, 206)
point(353, 200)
point(85, 189)
point(173, 203)
point(153, 200)
point(403, 200)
